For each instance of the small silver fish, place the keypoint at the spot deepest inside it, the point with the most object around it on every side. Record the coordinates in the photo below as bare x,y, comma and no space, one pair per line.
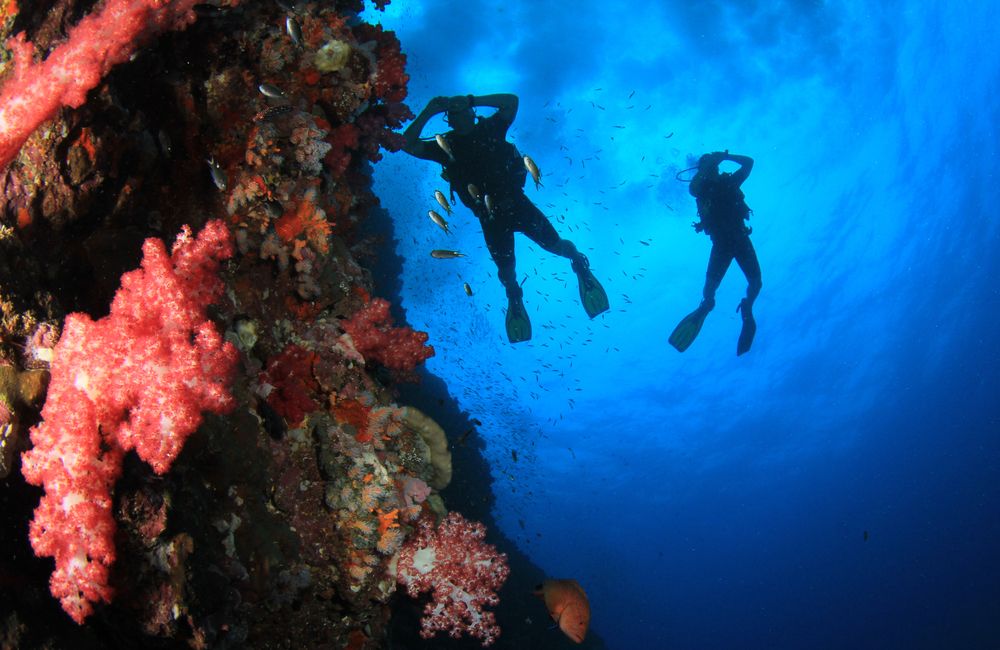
445,147
473,191
218,175
532,168
442,201
439,220
442,254
294,31
270,90
488,200
468,289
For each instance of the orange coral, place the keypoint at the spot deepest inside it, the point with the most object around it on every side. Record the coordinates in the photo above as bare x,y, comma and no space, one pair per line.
387,520
306,220
361,526
353,412
390,541
370,495
389,534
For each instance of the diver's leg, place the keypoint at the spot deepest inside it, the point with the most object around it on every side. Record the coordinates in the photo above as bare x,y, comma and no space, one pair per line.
687,330
500,242
537,227
746,257
718,263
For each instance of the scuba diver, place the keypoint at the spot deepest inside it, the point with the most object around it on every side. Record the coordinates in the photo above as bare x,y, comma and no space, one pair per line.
488,174
722,211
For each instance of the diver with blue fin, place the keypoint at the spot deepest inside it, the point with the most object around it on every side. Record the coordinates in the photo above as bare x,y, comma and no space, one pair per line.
488,174
722,210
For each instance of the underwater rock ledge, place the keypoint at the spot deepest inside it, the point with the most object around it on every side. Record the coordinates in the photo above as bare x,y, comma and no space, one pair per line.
278,522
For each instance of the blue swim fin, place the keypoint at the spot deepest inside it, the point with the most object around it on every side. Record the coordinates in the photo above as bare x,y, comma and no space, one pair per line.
749,328
592,294
518,325
687,330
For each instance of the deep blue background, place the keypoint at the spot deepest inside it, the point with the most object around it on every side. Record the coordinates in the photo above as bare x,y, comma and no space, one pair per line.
705,500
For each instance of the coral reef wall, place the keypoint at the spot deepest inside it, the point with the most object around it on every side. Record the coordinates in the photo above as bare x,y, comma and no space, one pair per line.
278,523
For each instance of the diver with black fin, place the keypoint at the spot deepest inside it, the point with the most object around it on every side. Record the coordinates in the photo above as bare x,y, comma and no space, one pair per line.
488,174
722,210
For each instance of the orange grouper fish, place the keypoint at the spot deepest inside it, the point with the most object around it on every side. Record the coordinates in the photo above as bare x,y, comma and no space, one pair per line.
568,605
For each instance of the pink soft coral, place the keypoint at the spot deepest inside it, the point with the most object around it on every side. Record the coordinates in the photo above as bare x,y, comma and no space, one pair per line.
463,572
136,379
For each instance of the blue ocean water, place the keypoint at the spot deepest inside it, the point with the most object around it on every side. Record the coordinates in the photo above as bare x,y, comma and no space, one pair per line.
837,486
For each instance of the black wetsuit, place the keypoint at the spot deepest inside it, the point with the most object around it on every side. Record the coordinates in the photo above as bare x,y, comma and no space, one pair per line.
484,158
723,211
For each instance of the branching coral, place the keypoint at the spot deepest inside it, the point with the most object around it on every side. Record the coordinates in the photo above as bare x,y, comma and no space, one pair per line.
136,379
462,572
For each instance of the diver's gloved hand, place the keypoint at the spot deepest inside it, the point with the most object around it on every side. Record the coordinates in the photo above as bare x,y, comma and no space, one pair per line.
719,156
698,226
437,105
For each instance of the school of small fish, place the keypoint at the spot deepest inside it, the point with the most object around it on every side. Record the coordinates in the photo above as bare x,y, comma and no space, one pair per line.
565,599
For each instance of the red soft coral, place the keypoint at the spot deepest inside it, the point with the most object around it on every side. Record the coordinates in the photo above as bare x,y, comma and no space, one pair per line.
292,384
373,335
463,572
390,77
343,140
137,379
377,133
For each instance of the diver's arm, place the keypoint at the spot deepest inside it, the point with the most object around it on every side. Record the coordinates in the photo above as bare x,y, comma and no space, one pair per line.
414,145
745,163
505,103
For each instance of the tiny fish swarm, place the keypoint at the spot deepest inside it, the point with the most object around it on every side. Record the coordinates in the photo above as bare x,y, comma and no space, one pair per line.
137,379
463,573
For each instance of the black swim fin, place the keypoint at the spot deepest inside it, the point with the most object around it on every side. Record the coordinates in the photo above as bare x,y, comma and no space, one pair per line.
687,330
592,294
518,325
749,328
